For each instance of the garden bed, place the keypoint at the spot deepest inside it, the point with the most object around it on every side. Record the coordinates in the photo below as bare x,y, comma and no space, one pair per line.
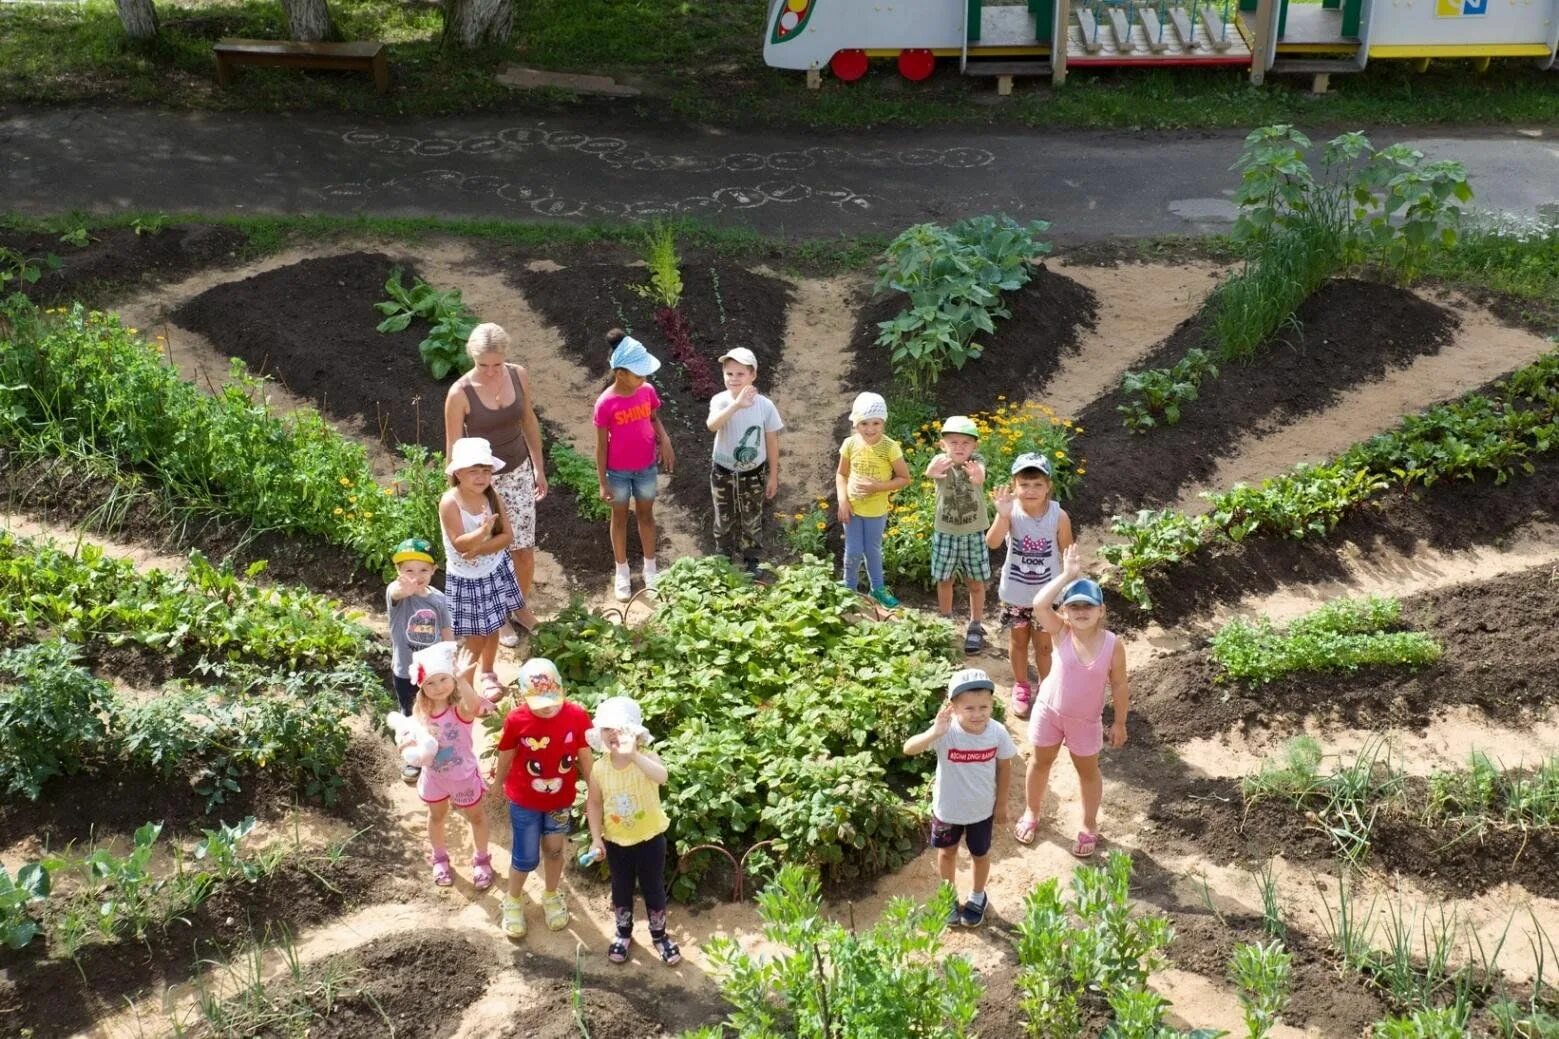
1499,656
311,327
119,258
726,306
1049,314
1350,333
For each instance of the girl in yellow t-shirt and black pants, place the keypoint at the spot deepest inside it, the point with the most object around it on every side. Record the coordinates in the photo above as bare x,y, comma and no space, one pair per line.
627,823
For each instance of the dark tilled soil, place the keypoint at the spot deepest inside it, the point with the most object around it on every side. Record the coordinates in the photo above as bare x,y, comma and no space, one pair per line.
725,305
1352,332
57,997
118,260
1500,655
1446,516
415,984
310,326
1048,316
639,1009
51,492
1449,858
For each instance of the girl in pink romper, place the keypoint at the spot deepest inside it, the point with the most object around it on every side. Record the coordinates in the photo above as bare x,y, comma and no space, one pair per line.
1085,658
447,707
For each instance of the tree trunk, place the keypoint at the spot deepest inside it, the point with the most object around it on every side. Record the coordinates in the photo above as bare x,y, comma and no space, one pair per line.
309,20
477,23
139,18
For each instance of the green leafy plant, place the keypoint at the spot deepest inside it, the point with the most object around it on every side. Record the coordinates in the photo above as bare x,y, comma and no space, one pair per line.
31,885
52,717
1154,540
660,256
76,236
954,277
1346,634
1160,392
18,270
827,981
1344,804
576,472
150,224
806,530
1442,1023
1262,973
450,320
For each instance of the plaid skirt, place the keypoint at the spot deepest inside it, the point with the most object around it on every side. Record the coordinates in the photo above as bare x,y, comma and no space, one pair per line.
481,605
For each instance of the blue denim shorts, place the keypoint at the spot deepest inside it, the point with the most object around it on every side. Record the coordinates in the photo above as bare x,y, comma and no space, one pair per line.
635,484
530,826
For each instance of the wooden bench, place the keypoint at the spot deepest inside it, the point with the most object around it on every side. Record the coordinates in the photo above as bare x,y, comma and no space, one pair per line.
359,56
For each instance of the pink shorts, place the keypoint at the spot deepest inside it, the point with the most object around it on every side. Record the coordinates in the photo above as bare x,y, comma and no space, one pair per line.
466,789
1082,736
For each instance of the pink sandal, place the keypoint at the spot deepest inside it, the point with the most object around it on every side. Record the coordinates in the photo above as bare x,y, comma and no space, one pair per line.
443,876
1022,699
491,686
1086,843
481,872
1025,831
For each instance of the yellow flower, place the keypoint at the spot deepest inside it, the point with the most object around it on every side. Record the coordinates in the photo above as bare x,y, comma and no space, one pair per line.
338,510
1060,456
345,482
822,526
1081,471
1079,429
352,499
368,515
131,331
351,515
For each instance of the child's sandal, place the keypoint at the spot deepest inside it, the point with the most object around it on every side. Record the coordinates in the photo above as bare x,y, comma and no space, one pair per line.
481,872
492,688
670,955
1086,844
617,952
443,876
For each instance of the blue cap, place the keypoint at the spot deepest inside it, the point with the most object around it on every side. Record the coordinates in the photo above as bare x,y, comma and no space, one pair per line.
1083,591
1032,460
630,354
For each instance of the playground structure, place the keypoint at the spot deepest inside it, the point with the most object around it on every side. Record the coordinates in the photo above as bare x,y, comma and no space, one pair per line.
1266,36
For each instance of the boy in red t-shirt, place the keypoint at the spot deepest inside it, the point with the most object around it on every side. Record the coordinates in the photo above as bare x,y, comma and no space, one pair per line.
629,441
541,756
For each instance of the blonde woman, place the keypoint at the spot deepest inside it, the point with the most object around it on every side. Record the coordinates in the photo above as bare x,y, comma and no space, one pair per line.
493,401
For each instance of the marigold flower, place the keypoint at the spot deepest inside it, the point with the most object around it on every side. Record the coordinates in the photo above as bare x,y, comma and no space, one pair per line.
338,510
345,482
822,526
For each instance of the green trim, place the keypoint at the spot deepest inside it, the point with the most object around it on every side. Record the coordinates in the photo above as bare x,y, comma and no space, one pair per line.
806,16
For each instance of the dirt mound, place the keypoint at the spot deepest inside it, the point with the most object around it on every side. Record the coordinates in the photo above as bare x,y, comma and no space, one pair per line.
410,985
725,306
322,346
638,1009
119,259
1350,332
1048,315
1499,656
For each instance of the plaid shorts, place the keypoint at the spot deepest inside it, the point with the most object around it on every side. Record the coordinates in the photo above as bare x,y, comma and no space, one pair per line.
954,555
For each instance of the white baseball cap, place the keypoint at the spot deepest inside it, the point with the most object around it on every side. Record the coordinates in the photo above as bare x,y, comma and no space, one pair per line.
741,355
969,680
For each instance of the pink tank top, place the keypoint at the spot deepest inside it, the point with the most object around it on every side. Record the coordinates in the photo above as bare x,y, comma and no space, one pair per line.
1074,689
455,756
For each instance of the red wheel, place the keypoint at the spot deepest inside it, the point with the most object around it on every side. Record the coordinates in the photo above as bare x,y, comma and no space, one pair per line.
916,65
848,66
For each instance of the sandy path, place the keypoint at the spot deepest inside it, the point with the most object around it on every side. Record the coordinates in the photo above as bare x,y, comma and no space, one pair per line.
1483,349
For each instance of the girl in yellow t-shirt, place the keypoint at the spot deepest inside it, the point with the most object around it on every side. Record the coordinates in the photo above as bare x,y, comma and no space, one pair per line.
627,824
871,467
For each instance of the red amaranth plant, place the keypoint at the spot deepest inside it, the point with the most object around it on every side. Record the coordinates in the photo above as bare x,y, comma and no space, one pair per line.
679,334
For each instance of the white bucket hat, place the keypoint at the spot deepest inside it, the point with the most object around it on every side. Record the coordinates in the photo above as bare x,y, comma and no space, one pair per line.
617,712
868,406
469,451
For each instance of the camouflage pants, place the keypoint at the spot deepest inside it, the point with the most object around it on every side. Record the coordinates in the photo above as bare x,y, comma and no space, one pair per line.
739,510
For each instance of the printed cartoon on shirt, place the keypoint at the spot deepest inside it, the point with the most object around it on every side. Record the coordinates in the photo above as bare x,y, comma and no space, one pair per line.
623,808
546,771
449,757
960,498
422,627
1033,560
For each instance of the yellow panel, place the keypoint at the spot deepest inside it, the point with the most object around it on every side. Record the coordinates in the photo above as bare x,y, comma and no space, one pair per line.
1448,9
1461,50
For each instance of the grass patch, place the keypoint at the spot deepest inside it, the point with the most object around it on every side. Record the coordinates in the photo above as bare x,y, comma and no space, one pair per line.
707,61
1341,636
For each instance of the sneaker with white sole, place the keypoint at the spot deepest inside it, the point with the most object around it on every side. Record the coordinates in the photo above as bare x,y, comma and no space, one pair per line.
651,573
622,586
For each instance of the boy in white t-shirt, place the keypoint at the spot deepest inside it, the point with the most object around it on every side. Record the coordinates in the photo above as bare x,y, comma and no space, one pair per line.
745,470
973,772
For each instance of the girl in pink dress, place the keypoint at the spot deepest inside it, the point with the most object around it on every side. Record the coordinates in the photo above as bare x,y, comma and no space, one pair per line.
1085,658
447,707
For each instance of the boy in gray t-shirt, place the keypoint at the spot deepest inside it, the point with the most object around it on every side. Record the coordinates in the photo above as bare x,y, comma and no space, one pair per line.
973,772
419,617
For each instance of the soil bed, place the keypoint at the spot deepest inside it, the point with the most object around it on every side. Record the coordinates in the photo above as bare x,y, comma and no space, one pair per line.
637,1010
62,997
1446,516
1351,333
310,326
416,983
115,260
1509,620
726,306
1451,858
1048,316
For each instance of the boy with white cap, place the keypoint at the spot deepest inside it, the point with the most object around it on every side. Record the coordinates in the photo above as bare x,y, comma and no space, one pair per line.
871,467
973,772
541,755
629,441
745,470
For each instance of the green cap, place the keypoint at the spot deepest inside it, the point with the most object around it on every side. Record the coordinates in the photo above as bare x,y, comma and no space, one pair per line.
413,549
961,424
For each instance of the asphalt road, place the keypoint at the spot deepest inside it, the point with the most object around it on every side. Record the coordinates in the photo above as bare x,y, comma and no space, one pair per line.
1091,185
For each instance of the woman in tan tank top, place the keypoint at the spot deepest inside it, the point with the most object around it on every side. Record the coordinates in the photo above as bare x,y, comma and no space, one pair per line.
493,400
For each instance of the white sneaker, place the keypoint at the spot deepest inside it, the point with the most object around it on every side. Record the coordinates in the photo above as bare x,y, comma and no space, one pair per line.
651,573
622,586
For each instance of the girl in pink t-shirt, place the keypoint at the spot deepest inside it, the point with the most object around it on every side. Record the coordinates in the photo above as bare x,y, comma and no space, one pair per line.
1085,659
629,441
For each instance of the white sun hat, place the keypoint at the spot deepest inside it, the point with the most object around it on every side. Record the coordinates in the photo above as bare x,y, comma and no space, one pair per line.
868,406
469,451
617,712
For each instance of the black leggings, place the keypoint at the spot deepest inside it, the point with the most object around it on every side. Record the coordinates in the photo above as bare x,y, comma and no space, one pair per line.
645,864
